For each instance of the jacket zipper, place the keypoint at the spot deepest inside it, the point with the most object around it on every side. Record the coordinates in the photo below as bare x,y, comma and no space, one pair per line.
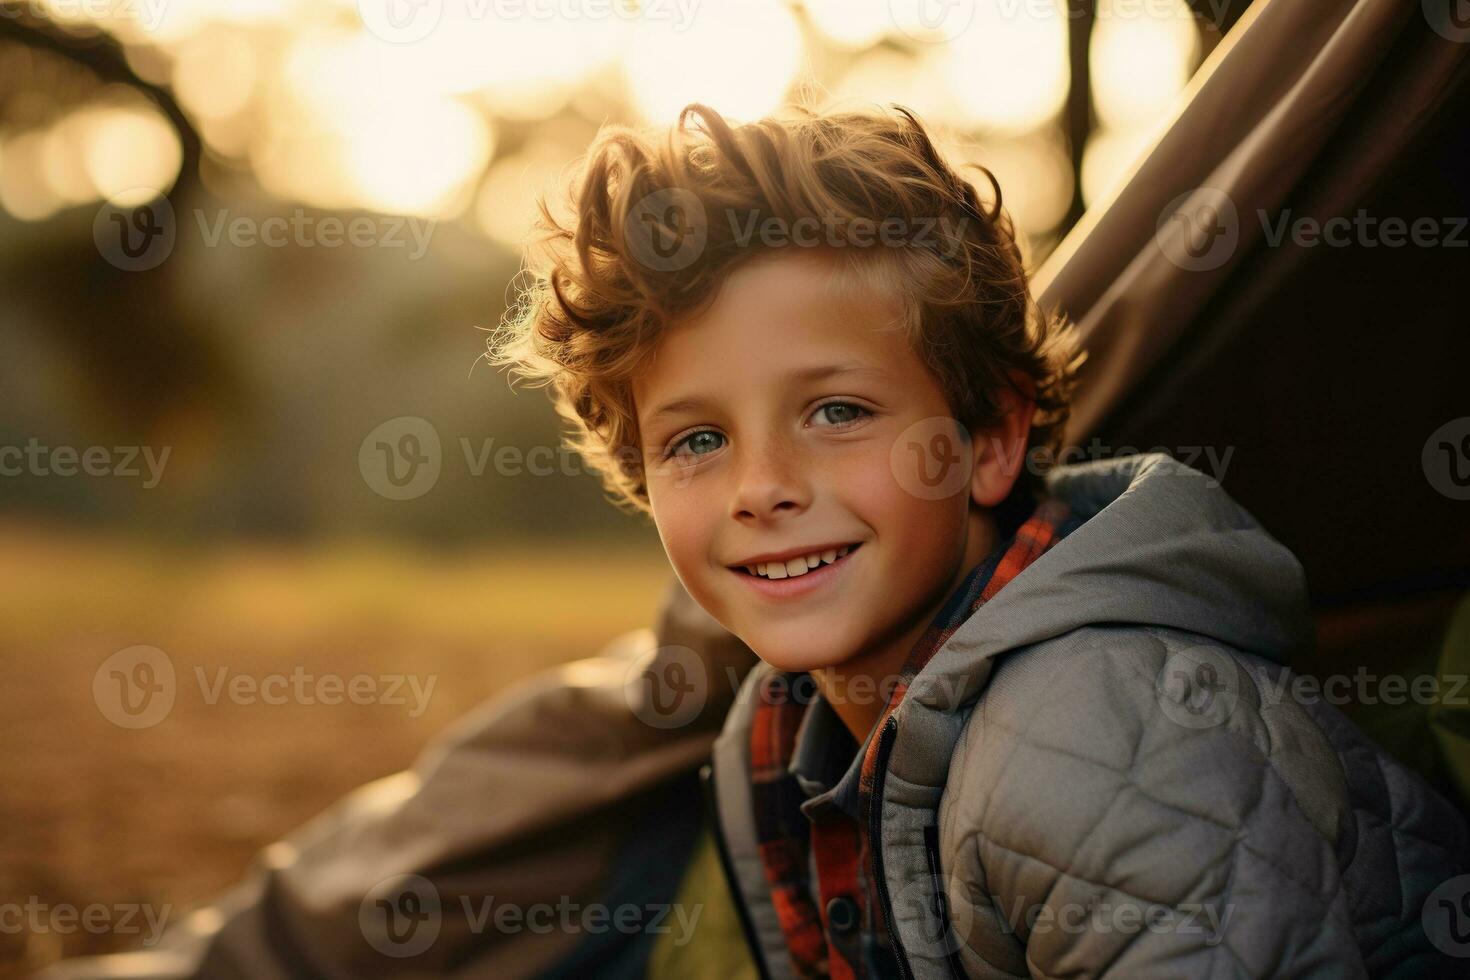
941,900
931,849
727,867
875,814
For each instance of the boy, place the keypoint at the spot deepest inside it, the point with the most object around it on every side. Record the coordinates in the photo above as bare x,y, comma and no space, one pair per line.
1005,723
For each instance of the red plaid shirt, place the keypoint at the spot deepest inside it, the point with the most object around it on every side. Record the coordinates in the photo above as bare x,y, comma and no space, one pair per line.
808,829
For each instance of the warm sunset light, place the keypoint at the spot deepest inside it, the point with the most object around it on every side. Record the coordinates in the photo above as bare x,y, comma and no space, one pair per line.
328,103
983,497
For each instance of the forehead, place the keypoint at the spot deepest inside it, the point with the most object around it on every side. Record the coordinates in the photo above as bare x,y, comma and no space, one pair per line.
786,311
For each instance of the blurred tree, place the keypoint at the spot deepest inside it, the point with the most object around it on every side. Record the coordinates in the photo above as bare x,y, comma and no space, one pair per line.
138,359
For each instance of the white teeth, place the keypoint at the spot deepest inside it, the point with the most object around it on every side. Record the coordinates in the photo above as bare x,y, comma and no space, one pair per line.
793,567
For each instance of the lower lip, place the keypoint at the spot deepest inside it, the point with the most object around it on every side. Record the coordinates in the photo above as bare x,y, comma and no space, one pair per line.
800,585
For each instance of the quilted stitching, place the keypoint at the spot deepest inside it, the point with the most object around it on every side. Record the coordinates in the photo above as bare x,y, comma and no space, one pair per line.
1000,736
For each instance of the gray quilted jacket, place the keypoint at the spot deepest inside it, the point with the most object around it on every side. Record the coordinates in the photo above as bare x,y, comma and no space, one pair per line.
1122,781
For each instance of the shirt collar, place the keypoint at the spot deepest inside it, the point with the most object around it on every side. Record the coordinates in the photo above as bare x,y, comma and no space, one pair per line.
826,761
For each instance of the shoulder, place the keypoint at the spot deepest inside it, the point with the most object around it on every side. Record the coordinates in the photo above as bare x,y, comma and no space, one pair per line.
1149,717
1145,768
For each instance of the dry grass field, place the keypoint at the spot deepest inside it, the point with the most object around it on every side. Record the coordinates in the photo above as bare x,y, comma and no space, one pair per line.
169,814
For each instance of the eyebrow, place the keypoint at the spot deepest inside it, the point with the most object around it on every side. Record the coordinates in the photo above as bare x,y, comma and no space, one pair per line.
806,375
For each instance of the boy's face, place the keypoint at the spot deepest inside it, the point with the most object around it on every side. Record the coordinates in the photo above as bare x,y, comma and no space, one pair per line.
799,398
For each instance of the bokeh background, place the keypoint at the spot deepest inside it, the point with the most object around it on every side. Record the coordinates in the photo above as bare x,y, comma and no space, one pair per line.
182,300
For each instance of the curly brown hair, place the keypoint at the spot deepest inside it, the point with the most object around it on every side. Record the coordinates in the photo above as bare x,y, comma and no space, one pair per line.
641,249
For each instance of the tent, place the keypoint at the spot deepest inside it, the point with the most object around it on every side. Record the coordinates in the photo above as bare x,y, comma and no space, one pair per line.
1326,376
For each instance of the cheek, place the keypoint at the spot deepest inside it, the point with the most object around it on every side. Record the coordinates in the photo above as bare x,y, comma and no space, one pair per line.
686,531
918,534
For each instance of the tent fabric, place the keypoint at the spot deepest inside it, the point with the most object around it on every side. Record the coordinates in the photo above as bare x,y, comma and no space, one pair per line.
1252,124
1318,372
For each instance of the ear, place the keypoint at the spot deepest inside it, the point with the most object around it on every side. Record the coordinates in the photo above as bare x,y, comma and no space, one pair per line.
1000,451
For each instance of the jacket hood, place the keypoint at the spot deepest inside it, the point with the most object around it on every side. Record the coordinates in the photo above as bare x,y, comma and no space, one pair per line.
1161,545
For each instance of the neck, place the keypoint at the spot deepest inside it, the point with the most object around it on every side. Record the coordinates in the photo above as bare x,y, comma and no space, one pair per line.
858,688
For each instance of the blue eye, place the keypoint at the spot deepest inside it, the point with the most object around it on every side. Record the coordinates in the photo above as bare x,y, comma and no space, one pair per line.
700,443
845,413
837,415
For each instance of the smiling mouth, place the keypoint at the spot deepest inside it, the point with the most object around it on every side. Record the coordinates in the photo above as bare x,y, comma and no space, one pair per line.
796,567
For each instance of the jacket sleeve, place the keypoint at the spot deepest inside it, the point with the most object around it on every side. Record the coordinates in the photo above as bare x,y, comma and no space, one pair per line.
539,800
1142,803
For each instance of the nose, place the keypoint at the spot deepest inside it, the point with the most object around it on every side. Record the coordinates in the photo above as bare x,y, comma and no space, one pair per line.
770,483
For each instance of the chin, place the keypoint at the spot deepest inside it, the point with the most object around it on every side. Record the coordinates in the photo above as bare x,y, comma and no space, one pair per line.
796,656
